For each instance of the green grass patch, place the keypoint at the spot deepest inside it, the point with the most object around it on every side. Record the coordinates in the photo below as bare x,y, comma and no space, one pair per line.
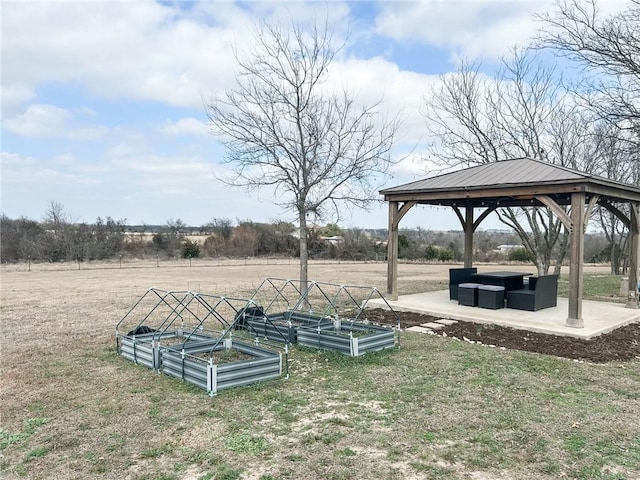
159,451
37,452
246,444
30,426
595,287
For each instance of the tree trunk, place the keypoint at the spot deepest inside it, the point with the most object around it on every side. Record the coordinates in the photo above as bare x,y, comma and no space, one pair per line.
563,247
304,252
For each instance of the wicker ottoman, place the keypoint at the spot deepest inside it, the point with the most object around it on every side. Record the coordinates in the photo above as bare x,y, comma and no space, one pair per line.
468,294
491,296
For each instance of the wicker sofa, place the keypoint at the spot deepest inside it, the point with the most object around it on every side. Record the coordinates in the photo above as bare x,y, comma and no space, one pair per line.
542,292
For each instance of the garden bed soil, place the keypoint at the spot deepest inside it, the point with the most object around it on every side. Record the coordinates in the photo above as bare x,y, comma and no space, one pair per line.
224,356
172,341
622,344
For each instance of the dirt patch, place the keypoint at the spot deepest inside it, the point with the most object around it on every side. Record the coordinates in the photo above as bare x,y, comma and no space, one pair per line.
622,344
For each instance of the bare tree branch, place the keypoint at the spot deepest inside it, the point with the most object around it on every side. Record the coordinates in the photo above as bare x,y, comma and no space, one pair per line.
606,47
516,114
283,127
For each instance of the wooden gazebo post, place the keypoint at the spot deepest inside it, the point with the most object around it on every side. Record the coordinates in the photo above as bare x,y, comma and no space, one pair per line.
395,215
392,253
468,237
634,254
469,226
574,318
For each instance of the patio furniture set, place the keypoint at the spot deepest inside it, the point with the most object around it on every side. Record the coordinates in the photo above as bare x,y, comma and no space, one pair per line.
492,289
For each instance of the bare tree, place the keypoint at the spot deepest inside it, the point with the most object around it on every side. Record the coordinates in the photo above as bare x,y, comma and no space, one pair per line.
522,112
55,218
218,243
283,127
480,120
60,238
615,160
607,46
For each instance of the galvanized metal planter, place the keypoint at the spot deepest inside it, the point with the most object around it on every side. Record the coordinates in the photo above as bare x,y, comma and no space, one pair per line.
320,315
141,349
184,363
171,332
145,349
354,339
283,327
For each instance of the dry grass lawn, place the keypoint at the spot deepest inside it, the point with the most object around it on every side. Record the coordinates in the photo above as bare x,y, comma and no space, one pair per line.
71,408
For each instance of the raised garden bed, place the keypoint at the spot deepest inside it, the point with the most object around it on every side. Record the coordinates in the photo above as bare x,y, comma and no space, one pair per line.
283,327
320,315
215,365
145,349
354,339
175,333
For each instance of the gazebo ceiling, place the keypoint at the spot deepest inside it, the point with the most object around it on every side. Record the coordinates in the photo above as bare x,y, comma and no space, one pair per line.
510,183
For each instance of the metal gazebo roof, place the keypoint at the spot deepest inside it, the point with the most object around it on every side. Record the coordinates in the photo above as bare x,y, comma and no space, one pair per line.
521,182
510,182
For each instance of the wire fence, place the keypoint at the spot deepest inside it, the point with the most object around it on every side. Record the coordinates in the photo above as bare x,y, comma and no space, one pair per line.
209,262
157,262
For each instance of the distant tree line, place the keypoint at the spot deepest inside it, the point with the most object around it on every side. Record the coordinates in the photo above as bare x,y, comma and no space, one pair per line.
59,239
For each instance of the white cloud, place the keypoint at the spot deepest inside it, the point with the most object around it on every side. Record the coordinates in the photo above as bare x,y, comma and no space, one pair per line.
8,159
400,92
140,49
411,167
38,121
50,121
166,174
471,28
186,126
183,167
14,97
41,174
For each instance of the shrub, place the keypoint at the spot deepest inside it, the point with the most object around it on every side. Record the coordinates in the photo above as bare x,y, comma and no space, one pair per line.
190,249
520,255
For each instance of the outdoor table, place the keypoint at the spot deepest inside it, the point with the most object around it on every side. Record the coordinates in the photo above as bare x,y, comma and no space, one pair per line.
508,280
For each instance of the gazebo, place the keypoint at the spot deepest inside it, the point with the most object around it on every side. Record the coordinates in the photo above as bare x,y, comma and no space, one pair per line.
522,182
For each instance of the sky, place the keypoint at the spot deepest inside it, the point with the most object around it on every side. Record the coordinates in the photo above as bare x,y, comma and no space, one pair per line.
102,102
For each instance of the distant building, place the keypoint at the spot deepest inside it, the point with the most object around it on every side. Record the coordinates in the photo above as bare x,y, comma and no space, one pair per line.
507,248
333,240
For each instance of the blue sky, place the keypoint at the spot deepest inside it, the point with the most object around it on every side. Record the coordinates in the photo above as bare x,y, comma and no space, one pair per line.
102,101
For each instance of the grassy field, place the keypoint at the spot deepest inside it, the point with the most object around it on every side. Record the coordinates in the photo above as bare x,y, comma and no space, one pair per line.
71,408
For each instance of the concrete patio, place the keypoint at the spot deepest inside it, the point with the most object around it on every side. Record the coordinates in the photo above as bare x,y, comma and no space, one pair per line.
599,317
